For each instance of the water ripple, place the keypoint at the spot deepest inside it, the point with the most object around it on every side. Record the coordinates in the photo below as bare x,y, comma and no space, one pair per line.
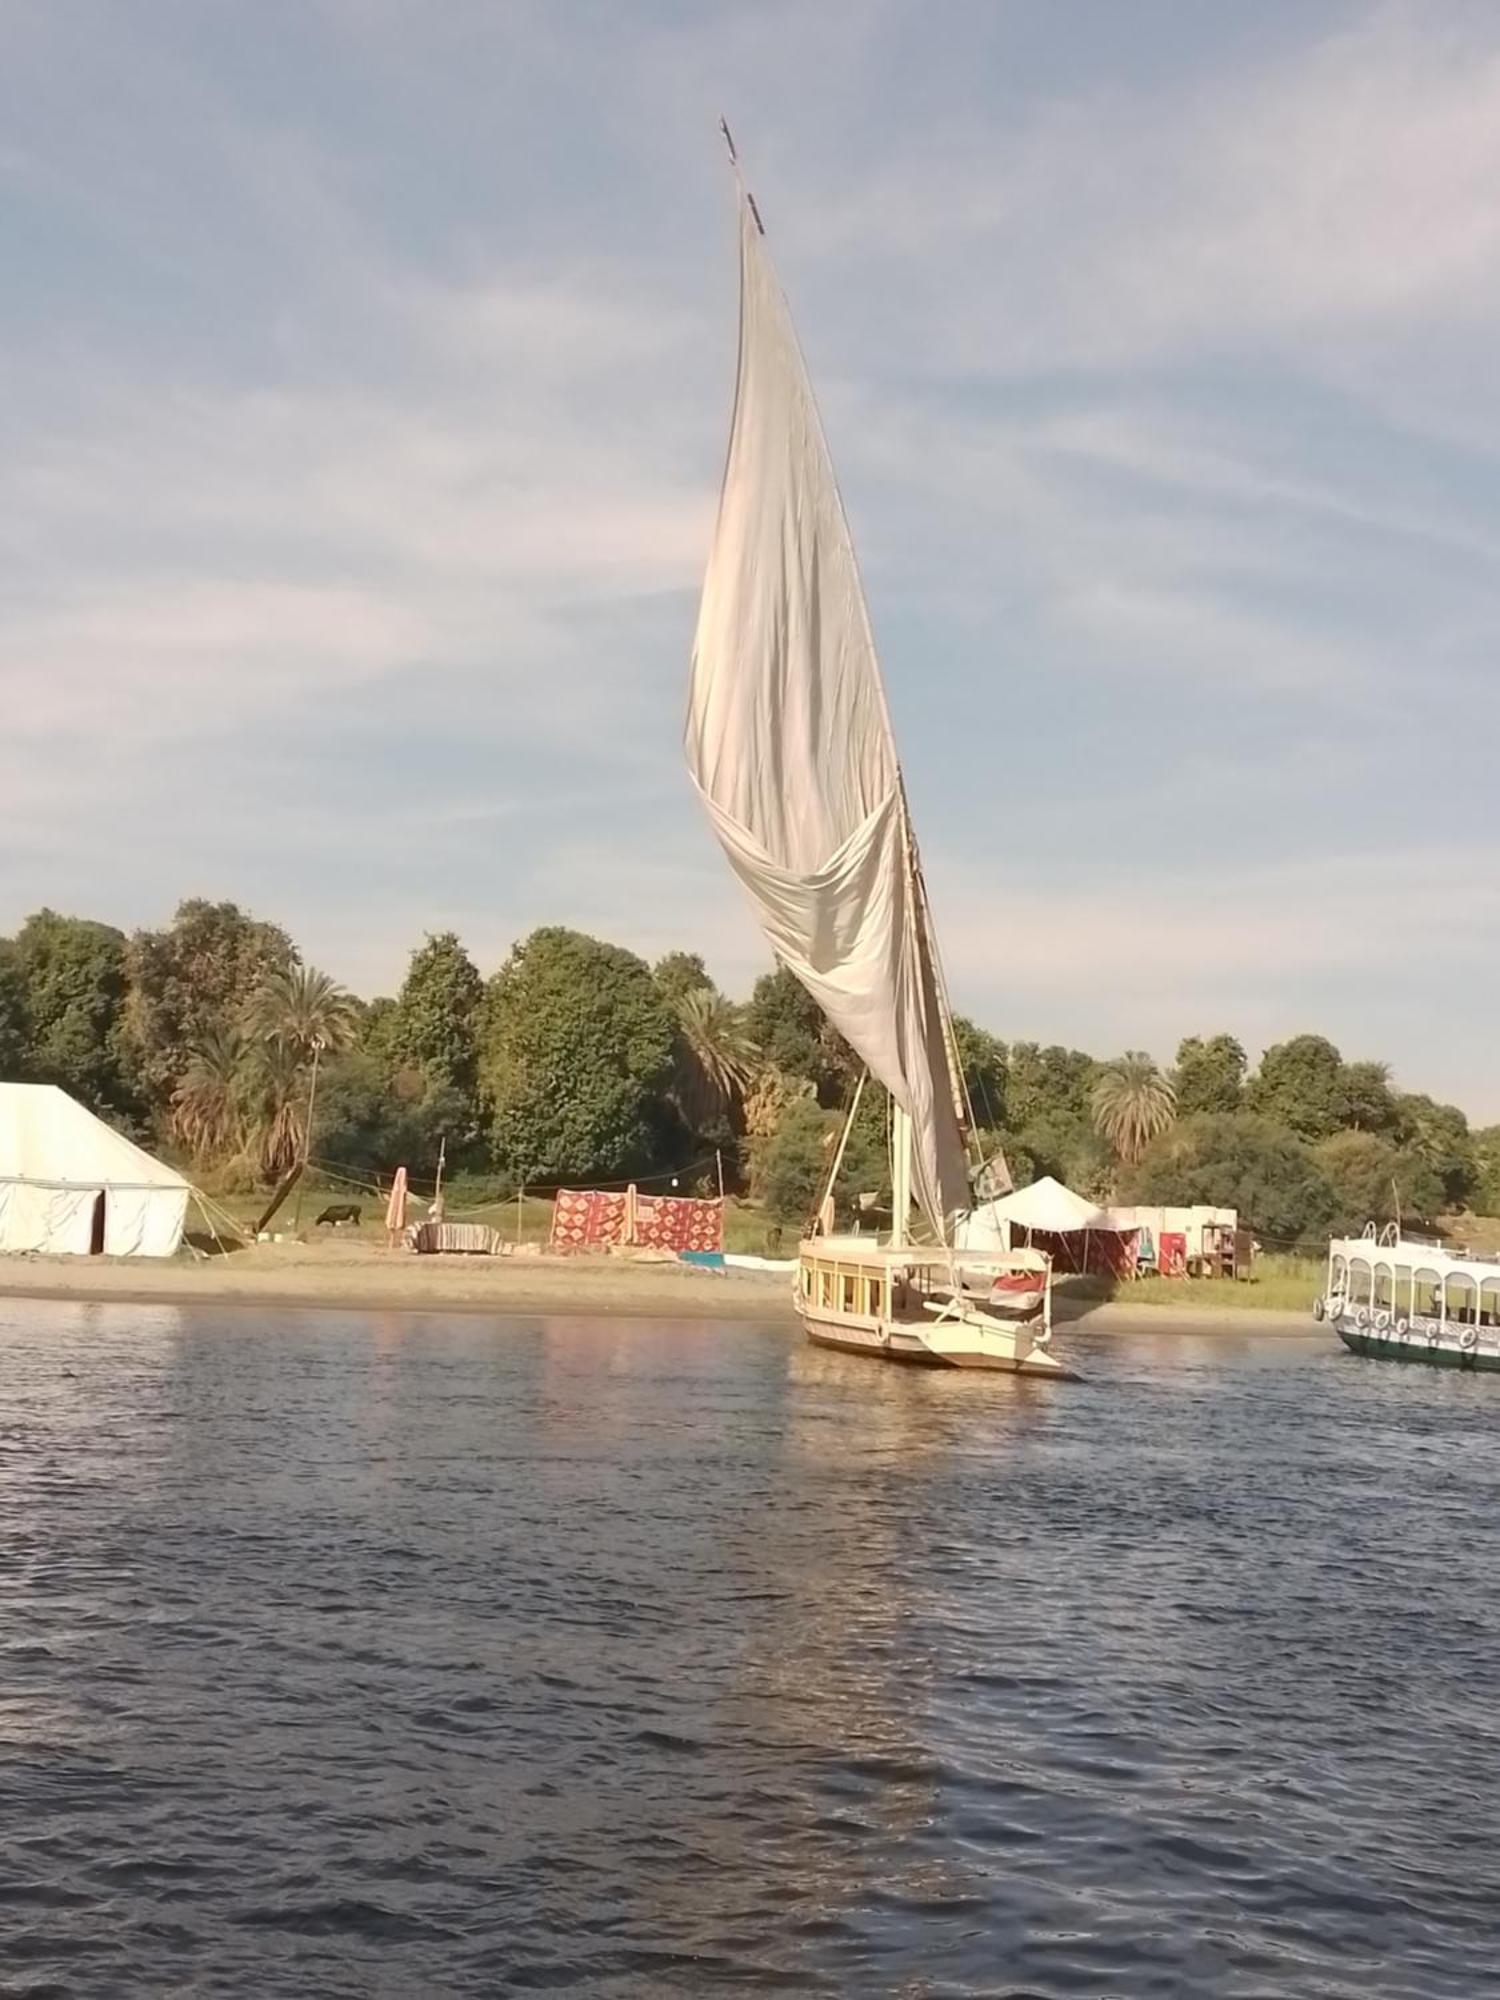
372,1655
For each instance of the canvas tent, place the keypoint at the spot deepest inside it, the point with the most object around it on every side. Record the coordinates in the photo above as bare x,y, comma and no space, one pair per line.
1076,1234
68,1183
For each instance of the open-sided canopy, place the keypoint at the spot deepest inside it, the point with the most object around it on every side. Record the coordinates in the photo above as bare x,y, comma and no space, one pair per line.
1046,1205
58,1163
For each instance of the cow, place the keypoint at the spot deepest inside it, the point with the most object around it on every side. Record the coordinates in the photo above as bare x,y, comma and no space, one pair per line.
337,1212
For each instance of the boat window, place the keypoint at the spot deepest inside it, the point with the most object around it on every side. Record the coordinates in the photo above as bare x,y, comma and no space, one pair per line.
825,1288
1489,1302
877,1297
1338,1276
1425,1288
849,1292
1383,1285
1462,1297
807,1281
1402,1301
1360,1281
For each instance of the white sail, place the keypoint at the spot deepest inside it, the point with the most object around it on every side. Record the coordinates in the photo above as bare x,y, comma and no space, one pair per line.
789,740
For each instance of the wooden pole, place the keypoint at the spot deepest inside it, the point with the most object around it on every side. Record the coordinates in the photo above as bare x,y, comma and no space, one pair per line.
437,1192
719,1163
520,1212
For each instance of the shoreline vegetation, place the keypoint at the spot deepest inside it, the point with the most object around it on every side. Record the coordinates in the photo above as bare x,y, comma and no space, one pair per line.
577,1064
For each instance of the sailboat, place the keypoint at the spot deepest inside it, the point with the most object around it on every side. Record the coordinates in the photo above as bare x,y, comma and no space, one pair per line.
790,746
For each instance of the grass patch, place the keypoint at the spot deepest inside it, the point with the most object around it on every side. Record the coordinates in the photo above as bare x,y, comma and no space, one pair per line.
1280,1284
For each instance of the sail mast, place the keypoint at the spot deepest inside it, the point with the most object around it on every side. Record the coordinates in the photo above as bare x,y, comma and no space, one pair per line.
789,740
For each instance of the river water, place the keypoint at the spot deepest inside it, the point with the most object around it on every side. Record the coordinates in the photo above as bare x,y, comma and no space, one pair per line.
389,1655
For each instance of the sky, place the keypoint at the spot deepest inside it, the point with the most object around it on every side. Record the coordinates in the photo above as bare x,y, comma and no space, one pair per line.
364,383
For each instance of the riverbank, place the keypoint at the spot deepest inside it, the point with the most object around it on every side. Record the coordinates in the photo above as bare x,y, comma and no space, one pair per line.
365,1277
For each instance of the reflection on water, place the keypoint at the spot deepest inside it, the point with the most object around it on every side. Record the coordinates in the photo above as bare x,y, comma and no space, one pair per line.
360,1654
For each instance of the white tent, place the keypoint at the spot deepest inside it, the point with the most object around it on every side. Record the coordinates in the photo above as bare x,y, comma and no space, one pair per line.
70,1183
1046,1205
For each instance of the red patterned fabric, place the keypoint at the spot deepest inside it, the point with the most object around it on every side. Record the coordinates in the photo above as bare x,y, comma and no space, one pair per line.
591,1219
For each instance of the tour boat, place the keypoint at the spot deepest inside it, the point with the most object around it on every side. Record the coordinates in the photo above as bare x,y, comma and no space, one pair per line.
1408,1301
790,746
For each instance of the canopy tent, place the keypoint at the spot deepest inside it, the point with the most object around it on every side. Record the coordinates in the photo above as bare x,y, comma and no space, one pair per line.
69,1183
1078,1235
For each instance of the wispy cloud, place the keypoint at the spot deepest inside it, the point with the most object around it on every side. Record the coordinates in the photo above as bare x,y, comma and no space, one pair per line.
366,380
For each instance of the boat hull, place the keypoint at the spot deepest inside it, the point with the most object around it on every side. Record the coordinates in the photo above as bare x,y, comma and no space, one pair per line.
1422,1341
945,1344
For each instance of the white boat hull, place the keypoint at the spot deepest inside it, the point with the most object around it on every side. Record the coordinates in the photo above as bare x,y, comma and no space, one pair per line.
947,1343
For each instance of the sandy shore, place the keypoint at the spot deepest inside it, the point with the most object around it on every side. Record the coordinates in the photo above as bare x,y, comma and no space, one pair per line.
368,1277
364,1277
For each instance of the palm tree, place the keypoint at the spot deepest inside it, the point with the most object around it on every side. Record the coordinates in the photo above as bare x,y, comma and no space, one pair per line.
305,1010
716,1057
276,1088
208,1105
1133,1104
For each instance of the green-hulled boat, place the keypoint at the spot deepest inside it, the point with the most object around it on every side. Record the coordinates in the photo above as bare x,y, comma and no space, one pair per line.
1403,1300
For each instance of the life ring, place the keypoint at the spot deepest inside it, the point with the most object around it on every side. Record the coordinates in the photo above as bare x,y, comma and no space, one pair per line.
1361,1318
1403,1328
1318,1310
1382,1321
1468,1340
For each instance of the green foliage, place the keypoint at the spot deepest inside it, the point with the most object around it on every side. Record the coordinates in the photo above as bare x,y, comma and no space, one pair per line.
13,1026
983,1064
791,1164
1439,1136
1375,1182
1133,1103
1366,1101
1210,1074
1300,1084
680,972
434,1026
369,1122
785,1024
1240,1161
713,1061
303,1010
73,979
1048,1084
1485,1193
196,980
577,1051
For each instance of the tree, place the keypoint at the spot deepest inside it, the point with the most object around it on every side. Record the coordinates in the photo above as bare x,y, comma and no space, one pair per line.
209,1104
1366,1100
1048,1083
680,972
1237,1160
714,1060
982,1064
577,1051
787,1026
304,1010
1210,1074
370,1121
1439,1135
72,974
194,981
1486,1194
792,1162
275,1106
1133,1104
435,1026
1375,1182
1300,1084
13,1025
